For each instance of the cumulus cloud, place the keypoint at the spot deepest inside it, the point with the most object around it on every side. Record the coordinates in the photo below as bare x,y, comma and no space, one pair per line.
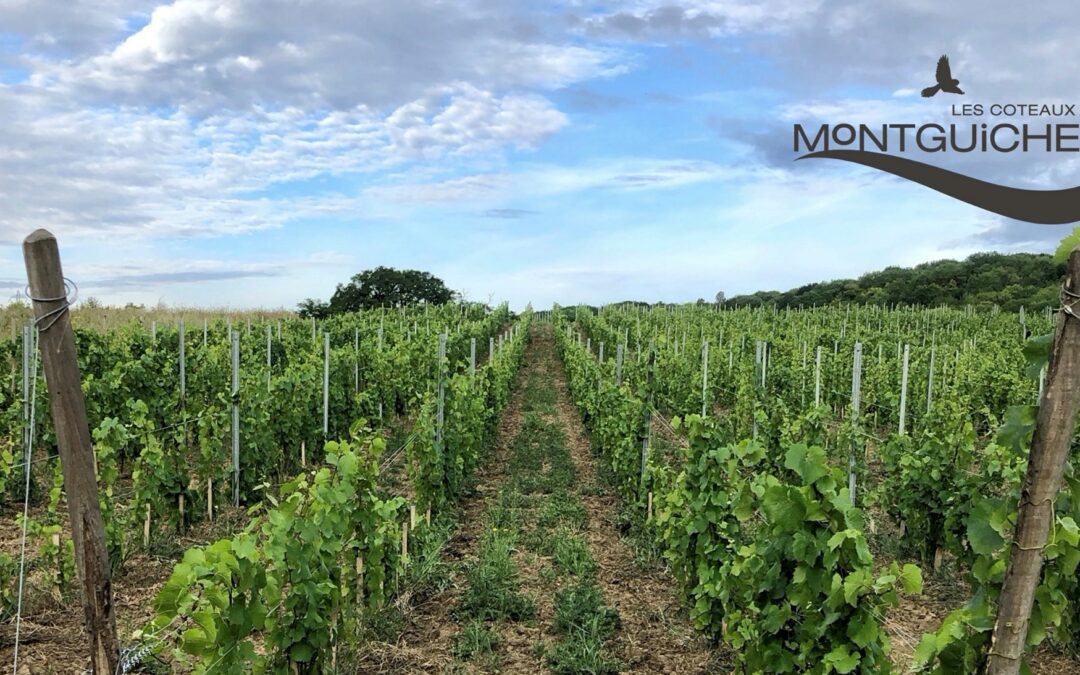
180,119
70,29
230,54
665,19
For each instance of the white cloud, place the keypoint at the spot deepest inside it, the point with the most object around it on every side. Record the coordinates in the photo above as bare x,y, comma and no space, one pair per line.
539,181
185,125
229,54
70,28
666,19
95,170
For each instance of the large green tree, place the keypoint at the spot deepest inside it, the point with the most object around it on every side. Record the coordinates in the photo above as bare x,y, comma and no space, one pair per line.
381,287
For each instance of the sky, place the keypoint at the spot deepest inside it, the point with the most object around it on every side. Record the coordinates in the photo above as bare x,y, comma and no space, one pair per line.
253,153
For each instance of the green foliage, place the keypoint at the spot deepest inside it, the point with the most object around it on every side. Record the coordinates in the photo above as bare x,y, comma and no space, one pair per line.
983,279
757,550
9,580
952,479
926,477
389,287
285,581
1071,240
962,642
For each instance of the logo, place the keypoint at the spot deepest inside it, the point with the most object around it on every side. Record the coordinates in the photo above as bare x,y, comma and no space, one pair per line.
883,147
945,80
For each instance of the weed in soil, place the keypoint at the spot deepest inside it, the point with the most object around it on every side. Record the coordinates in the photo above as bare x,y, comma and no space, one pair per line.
494,587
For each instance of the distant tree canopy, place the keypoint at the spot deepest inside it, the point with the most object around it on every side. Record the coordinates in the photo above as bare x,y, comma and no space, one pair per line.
984,279
380,287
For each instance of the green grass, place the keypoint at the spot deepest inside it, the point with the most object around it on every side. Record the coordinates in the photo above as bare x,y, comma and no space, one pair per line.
474,640
428,574
539,509
540,461
572,556
585,623
581,655
580,606
506,513
494,587
562,508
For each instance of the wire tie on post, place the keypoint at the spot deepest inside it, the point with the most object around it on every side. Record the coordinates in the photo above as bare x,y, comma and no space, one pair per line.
71,294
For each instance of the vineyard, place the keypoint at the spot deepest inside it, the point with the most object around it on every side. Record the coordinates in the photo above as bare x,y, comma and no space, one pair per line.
812,450
753,490
282,430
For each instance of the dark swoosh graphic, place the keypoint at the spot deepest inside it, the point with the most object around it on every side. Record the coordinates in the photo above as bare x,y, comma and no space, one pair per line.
1046,207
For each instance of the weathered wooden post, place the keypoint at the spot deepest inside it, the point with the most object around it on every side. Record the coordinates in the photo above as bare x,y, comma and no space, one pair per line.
62,376
1050,445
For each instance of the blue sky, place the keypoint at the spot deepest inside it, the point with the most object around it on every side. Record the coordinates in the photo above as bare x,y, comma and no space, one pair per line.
253,153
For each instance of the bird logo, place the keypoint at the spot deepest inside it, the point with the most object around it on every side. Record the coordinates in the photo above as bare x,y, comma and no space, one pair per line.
945,80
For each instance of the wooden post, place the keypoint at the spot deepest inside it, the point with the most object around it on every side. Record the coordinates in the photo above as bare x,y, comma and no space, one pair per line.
1046,463
63,379
146,527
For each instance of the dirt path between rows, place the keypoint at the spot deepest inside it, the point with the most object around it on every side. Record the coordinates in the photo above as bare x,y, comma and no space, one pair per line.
654,635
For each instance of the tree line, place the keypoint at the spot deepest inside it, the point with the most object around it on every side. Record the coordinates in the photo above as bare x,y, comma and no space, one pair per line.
1009,281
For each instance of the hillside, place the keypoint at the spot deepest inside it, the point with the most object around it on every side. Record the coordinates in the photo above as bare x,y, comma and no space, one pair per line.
984,279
